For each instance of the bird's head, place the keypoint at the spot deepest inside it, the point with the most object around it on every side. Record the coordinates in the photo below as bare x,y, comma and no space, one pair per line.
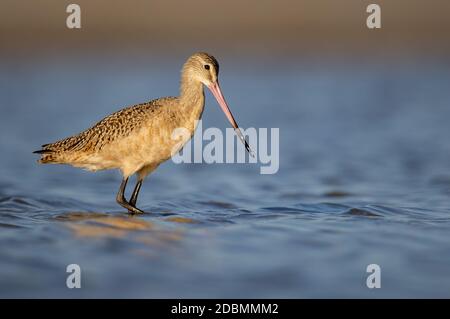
204,68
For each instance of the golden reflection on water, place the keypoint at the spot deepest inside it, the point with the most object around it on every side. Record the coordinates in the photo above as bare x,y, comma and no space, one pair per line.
85,230
149,233
183,220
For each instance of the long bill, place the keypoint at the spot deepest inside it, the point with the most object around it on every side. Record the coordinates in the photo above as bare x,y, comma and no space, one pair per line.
215,89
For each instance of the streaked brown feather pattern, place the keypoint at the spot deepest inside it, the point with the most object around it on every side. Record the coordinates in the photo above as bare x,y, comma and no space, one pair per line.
138,138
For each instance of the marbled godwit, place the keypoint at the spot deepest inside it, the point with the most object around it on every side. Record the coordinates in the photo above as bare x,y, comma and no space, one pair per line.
138,138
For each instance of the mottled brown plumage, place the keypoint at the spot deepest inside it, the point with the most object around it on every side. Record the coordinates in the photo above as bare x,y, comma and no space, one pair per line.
116,126
138,138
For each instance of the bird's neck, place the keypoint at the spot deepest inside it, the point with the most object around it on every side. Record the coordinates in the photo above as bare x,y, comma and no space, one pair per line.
192,97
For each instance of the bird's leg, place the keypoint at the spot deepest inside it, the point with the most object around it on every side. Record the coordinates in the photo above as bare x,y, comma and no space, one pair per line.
123,202
135,194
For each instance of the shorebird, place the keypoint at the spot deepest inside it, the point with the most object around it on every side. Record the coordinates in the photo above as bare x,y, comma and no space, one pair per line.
138,138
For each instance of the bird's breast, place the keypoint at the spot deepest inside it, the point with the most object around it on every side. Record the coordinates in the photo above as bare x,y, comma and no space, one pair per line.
166,135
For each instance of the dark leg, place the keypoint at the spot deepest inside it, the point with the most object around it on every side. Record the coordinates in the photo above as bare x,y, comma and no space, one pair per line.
135,194
123,202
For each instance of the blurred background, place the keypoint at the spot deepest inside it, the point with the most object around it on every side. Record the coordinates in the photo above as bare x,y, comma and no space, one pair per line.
364,153
248,29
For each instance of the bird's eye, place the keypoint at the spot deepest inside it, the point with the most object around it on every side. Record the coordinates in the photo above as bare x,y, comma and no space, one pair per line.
206,66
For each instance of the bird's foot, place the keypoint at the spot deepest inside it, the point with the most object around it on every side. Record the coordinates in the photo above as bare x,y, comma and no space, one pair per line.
133,210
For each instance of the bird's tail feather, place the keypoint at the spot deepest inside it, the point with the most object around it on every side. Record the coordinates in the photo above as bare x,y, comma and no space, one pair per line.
47,156
42,152
50,153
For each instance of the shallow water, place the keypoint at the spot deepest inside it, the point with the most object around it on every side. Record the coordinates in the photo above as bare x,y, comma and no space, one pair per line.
364,179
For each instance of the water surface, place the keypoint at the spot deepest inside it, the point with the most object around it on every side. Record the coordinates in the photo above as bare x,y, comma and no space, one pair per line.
364,178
